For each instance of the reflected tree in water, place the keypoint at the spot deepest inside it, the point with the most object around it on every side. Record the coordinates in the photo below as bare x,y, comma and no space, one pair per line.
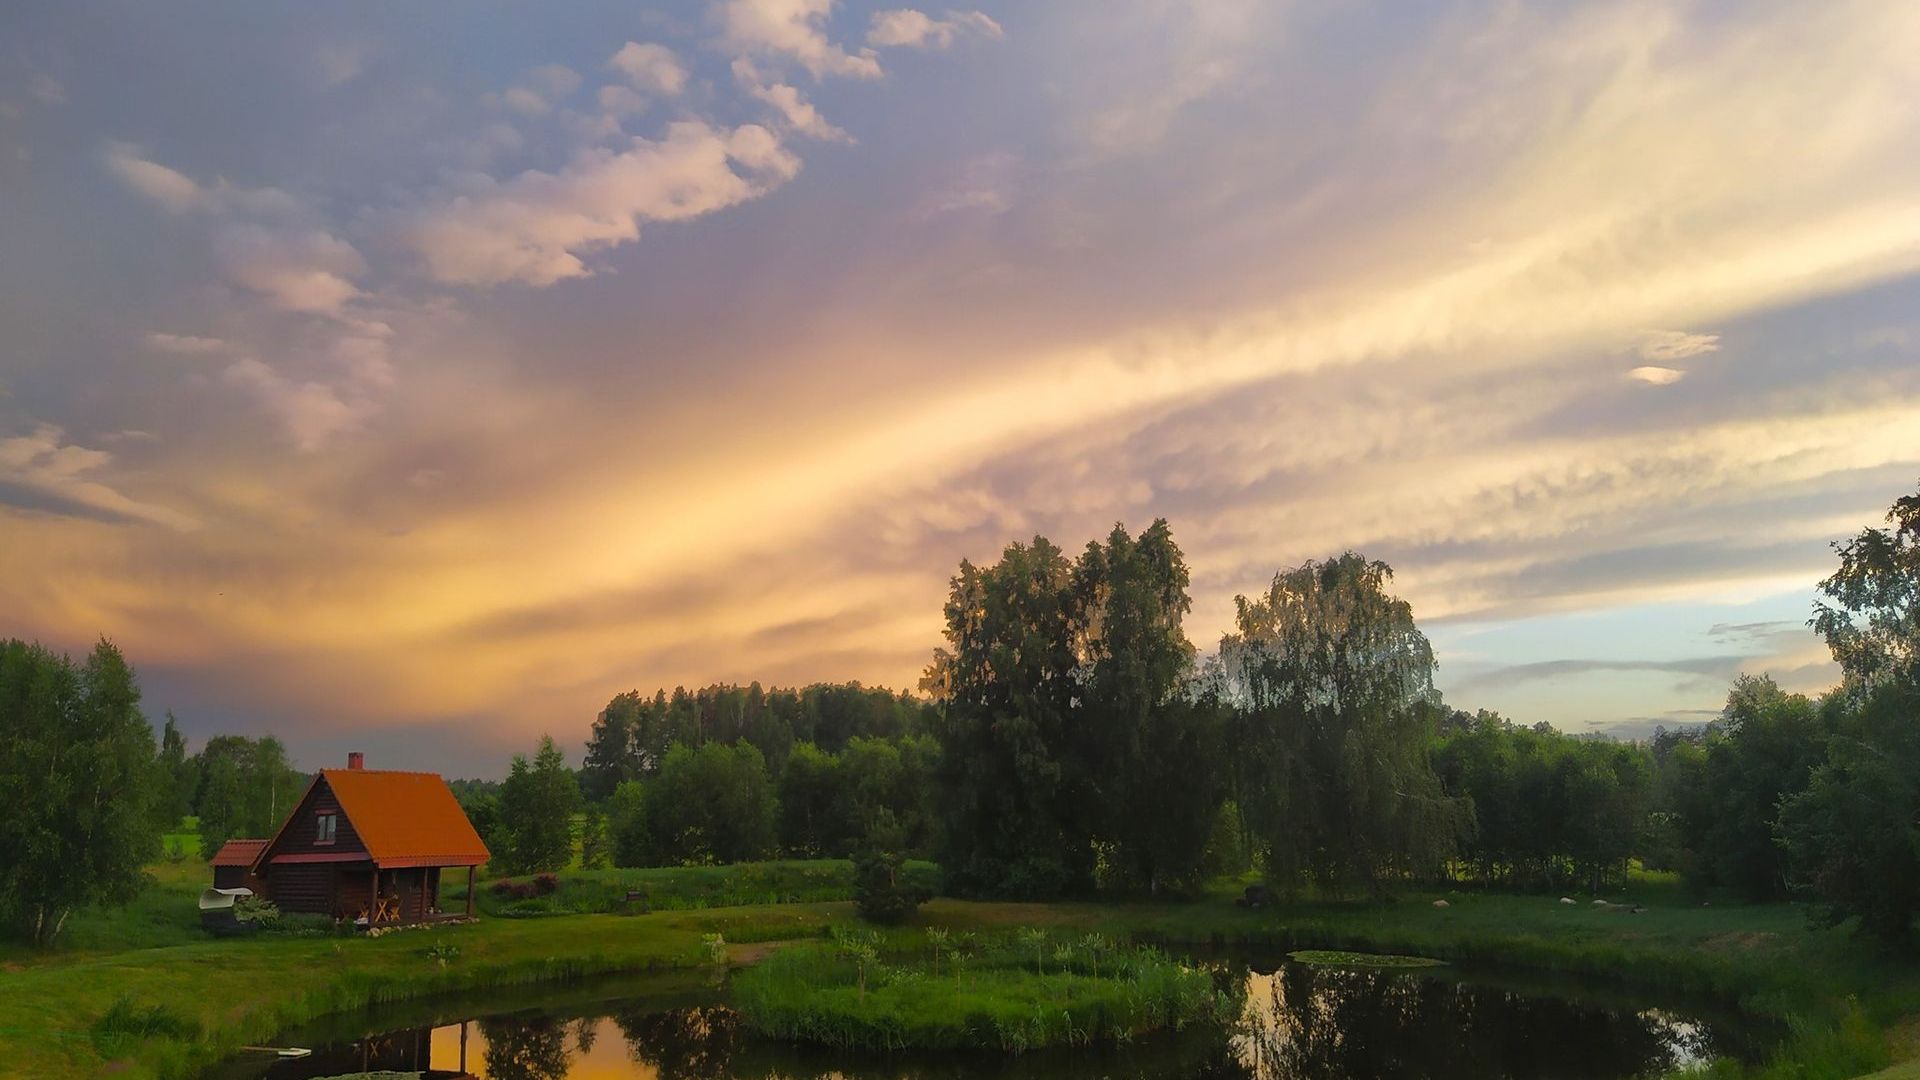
526,1048
586,1032
682,1044
1323,1024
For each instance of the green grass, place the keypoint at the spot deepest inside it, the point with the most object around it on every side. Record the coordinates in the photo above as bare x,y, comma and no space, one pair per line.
680,888
1005,994
242,991
1840,996
1342,958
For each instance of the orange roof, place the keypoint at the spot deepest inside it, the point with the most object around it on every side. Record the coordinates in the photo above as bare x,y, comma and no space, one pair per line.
406,818
237,853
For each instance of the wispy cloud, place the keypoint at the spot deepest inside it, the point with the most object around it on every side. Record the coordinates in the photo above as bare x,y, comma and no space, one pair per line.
906,27
68,476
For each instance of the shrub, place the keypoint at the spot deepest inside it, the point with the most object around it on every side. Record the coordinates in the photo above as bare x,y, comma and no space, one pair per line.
545,884
264,914
124,1023
881,890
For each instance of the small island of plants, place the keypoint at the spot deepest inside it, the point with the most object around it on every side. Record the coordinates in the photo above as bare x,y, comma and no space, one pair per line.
1005,993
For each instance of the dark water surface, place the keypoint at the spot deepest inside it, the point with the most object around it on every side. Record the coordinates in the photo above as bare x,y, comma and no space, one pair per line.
1303,1024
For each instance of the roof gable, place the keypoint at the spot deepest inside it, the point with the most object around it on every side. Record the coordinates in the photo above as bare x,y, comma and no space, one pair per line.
406,818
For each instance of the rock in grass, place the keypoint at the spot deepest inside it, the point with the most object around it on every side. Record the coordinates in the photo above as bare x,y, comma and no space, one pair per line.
1338,958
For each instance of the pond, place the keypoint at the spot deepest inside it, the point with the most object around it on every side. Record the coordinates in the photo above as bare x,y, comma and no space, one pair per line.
1304,1023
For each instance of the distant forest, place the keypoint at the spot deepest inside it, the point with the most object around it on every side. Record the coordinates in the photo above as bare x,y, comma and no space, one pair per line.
1068,740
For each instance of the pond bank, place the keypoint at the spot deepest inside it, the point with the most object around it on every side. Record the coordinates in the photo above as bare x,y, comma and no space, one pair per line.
1838,995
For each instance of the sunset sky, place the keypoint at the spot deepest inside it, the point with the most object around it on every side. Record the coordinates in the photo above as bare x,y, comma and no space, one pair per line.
415,377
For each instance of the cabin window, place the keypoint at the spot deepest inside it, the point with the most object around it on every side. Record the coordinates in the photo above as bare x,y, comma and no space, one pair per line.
324,827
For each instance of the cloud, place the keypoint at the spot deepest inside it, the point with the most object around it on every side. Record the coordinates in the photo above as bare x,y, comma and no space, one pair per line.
1666,346
536,227
184,344
46,89
1656,376
650,68
44,463
297,270
792,30
180,193
1717,668
311,412
789,102
621,101
983,184
336,64
905,27
545,87
168,187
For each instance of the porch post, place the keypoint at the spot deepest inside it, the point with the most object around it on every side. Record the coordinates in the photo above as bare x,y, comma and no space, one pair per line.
469,901
423,894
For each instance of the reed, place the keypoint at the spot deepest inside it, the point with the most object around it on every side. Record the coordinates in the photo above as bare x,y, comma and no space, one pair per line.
1005,993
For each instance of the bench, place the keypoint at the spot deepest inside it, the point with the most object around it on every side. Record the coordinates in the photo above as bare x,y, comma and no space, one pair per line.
638,896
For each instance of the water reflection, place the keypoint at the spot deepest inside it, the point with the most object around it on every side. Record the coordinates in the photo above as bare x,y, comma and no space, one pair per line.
1331,1024
1303,1024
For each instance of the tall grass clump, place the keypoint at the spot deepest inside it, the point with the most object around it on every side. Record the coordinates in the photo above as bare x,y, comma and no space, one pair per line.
125,1025
1008,994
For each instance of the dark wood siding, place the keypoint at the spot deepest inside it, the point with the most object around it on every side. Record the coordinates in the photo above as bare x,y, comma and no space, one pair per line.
236,877
301,834
304,887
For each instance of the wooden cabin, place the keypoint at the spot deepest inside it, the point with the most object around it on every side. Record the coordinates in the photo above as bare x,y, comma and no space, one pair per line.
233,865
367,845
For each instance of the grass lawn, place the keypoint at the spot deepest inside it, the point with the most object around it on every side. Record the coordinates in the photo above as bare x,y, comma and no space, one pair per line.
678,888
1848,1004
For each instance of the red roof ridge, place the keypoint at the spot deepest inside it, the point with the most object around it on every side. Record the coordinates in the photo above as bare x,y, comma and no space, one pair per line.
382,772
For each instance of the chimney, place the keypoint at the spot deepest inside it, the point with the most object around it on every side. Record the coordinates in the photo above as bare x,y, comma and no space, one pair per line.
356,760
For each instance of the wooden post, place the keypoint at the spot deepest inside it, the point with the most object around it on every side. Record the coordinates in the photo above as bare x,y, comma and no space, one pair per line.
469,915
463,1038
423,894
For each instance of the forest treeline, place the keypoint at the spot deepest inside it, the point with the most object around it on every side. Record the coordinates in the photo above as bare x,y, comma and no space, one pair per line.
1067,739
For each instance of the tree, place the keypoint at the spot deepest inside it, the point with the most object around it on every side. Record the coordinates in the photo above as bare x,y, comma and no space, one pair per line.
537,804
1873,622
1151,746
246,788
880,890
175,777
1333,682
1853,836
712,805
1764,748
1016,814
813,819
595,844
627,825
76,764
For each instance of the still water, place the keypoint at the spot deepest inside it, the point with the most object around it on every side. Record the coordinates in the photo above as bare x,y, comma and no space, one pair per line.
1303,1024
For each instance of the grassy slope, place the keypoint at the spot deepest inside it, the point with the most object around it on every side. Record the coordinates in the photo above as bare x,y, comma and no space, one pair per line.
246,990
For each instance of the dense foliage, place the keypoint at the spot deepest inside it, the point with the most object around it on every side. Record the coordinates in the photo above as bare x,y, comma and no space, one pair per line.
77,772
632,735
1546,810
537,803
245,788
1333,688
1853,835
1074,747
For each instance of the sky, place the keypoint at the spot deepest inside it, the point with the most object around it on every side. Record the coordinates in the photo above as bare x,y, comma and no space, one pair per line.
414,378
